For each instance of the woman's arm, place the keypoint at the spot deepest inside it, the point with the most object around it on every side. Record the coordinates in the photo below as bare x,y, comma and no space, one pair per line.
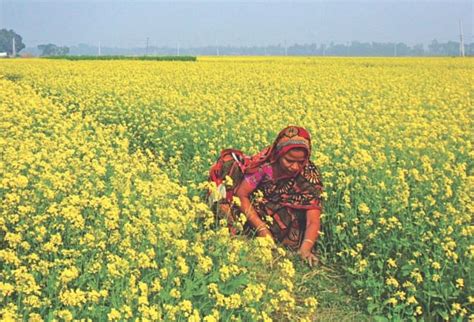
311,235
243,193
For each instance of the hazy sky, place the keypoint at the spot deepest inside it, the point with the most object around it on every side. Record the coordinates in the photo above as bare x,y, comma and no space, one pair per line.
196,23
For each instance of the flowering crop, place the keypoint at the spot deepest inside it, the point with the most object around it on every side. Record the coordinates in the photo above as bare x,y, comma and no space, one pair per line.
102,163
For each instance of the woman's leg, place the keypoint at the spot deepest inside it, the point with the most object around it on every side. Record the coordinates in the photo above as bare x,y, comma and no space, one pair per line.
295,230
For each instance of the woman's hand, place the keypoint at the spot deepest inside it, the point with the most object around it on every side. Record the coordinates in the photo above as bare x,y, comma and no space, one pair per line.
308,256
264,232
243,192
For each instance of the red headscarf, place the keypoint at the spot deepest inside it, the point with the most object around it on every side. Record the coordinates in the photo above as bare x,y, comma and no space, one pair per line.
289,138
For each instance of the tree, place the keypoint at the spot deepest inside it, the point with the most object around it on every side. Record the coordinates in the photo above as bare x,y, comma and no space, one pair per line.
53,50
435,47
401,49
469,48
6,41
451,48
418,50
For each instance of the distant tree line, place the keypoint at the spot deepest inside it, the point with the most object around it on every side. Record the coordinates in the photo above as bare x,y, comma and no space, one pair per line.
354,48
8,38
53,50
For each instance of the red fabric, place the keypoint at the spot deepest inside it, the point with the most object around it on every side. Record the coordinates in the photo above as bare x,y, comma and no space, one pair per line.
284,200
272,153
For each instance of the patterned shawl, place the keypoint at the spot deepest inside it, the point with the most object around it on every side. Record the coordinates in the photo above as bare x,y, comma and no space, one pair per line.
302,191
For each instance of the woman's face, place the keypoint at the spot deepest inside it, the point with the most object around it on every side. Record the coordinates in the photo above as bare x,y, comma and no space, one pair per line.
292,161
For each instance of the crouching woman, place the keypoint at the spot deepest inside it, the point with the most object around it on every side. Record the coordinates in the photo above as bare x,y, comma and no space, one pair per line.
279,190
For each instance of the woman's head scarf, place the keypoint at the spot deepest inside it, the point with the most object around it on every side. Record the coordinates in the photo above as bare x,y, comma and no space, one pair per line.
289,138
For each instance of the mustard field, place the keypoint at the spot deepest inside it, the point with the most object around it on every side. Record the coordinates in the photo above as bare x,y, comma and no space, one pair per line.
104,165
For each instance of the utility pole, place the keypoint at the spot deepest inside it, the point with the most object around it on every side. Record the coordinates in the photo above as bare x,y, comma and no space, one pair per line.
395,49
13,47
99,49
217,48
286,49
461,36
146,51
177,48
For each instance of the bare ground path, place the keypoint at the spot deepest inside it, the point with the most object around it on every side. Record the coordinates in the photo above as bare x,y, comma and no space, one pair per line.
328,285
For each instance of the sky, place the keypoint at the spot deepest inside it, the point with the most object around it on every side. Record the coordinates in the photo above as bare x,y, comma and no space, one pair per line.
193,23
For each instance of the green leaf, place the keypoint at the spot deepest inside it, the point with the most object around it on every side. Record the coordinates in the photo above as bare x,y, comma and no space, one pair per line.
406,270
379,318
372,307
380,264
443,314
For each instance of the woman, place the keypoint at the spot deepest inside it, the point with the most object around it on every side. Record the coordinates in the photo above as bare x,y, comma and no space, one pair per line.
279,191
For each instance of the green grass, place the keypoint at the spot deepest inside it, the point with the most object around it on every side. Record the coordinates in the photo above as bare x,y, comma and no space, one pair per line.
330,287
120,57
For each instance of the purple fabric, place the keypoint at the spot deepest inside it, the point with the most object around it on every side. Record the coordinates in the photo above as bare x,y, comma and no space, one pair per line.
255,178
